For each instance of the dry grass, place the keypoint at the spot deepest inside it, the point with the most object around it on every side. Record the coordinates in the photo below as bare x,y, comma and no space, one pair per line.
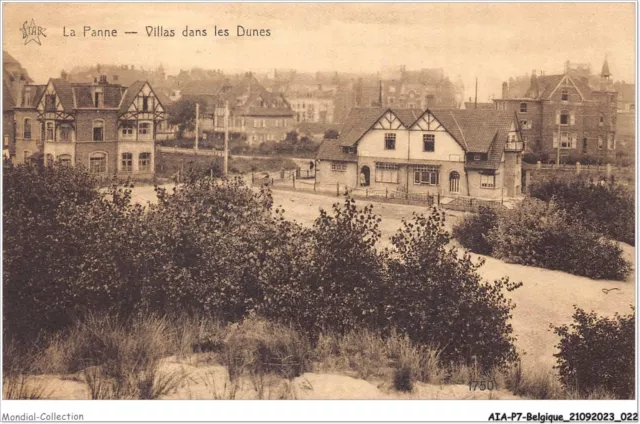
125,360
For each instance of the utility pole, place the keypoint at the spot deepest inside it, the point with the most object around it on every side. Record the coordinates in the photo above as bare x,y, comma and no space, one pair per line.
226,138
197,123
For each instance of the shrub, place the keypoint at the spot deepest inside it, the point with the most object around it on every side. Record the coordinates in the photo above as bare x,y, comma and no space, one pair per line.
544,235
438,298
608,208
598,353
472,231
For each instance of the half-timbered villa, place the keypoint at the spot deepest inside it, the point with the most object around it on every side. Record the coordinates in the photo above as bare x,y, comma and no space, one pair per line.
107,128
451,152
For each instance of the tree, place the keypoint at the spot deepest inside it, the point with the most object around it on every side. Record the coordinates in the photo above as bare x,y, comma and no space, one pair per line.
183,114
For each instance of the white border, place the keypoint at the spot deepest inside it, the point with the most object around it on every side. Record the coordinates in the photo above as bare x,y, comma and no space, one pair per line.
327,410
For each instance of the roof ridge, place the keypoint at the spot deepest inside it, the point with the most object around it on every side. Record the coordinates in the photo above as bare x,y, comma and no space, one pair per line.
459,128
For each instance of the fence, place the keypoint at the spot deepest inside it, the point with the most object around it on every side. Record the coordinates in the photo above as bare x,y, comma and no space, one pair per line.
287,180
183,151
470,204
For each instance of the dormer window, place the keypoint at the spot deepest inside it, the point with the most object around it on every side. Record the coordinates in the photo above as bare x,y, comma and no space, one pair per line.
98,98
27,96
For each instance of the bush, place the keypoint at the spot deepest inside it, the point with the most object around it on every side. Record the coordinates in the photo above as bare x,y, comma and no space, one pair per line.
472,231
438,298
542,234
608,209
598,353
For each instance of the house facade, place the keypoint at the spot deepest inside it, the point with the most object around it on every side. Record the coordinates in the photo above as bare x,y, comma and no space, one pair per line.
107,128
255,114
562,114
451,152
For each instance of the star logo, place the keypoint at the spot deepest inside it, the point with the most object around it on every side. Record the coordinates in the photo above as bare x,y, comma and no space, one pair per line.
32,32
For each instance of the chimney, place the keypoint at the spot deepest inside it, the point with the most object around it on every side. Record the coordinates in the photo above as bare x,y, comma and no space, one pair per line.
505,90
533,87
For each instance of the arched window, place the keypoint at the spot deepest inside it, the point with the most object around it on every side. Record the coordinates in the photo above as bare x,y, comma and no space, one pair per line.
454,182
98,163
27,128
98,130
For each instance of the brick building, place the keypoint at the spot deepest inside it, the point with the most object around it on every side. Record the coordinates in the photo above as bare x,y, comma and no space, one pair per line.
562,113
108,128
254,113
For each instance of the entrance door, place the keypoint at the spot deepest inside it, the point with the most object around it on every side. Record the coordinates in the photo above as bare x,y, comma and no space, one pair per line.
364,176
454,182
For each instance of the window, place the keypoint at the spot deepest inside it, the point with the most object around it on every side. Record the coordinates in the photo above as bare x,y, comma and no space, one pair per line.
348,149
27,128
338,167
145,103
523,107
585,146
127,162
98,130
566,140
454,182
127,129
49,159
255,123
27,96
564,117
277,123
487,181
429,143
600,142
144,162
65,133
98,163
98,100
610,144
50,131
525,124
50,103
389,141
64,160
477,157
601,123
144,128
25,156
386,173
427,175
565,96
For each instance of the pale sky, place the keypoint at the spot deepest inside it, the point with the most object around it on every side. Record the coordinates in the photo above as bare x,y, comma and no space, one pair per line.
488,41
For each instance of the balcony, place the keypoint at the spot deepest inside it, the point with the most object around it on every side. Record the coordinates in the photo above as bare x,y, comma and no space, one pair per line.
514,146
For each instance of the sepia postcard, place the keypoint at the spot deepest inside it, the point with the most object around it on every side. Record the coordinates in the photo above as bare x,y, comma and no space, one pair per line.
367,211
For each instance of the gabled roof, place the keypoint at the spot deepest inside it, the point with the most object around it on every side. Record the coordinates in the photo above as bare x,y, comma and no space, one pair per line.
129,95
202,87
476,128
360,120
65,93
330,149
357,123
